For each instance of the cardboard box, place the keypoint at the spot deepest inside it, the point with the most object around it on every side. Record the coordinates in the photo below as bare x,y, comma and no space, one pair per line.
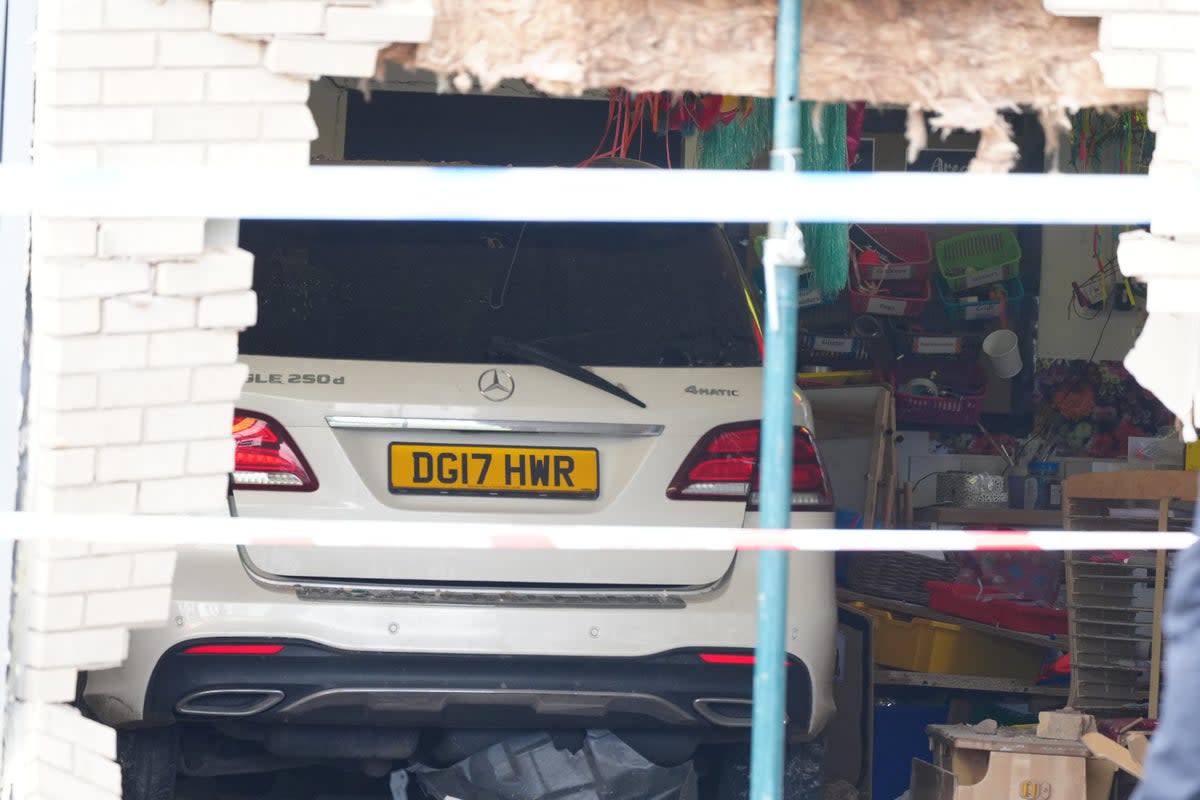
1007,766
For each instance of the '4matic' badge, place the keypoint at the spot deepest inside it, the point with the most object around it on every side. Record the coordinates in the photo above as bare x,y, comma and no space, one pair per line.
711,392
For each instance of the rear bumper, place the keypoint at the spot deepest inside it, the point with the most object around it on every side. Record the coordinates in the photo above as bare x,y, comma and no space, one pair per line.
387,644
307,684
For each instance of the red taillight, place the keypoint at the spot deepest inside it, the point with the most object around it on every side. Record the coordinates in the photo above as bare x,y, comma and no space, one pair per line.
266,457
234,650
724,466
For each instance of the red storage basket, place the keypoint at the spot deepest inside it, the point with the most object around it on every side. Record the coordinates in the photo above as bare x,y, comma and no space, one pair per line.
967,602
888,298
907,253
964,408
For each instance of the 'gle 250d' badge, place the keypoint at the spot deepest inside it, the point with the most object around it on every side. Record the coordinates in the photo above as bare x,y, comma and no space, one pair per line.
702,390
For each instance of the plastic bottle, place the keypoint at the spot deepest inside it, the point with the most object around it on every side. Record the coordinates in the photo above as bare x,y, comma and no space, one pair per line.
1047,484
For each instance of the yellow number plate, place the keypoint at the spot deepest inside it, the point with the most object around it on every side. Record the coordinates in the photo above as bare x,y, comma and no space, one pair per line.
466,469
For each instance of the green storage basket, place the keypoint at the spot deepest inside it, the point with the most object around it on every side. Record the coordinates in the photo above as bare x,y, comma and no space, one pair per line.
979,259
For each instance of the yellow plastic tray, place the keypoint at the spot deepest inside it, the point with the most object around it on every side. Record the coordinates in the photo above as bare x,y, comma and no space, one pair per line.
926,645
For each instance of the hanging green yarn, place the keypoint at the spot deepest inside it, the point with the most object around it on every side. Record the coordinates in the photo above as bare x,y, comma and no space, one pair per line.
738,144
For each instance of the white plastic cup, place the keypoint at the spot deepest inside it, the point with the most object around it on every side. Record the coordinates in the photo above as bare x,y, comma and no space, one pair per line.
1003,353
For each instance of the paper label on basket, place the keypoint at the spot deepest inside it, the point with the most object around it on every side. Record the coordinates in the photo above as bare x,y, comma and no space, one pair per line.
982,311
890,272
833,344
882,305
984,277
935,345
810,297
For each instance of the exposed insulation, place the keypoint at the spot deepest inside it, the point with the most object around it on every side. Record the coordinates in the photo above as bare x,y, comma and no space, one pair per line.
935,53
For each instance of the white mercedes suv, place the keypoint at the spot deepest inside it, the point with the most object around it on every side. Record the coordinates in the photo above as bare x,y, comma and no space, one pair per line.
481,372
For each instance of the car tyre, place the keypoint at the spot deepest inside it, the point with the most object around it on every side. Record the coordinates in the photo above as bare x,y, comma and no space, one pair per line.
149,762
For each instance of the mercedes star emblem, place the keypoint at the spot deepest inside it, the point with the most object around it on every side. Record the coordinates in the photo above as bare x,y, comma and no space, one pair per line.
496,385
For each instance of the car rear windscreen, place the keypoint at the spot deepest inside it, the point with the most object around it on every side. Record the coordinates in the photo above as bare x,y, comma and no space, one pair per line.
596,294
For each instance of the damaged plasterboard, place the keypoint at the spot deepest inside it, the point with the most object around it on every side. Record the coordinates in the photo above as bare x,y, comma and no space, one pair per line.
962,59
935,52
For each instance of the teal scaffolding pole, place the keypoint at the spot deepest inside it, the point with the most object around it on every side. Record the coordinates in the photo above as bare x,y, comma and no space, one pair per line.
783,254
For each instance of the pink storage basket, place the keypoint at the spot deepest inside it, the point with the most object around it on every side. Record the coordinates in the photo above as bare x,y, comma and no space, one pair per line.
965,407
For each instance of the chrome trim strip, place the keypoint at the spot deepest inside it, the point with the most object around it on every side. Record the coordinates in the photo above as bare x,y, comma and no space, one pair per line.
552,702
318,589
271,697
493,426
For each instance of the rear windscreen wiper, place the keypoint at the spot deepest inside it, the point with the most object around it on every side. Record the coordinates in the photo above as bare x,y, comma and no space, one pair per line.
533,354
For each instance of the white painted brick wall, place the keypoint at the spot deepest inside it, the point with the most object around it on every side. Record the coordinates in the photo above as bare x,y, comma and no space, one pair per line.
188,422
87,428
68,467
207,123
91,353
1158,31
390,21
135,320
46,685
235,310
157,15
140,461
146,312
129,608
209,457
288,122
95,124
255,85
66,51
181,495
143,387
67,317
64,392
151,86
74,278
204,49
267,18
100,498
151,155
151,237
315,56
212,273
192,348
65,237
215,384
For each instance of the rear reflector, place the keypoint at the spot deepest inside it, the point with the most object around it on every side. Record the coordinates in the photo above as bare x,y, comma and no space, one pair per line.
743,659
234,650
724,466
726,658
266,457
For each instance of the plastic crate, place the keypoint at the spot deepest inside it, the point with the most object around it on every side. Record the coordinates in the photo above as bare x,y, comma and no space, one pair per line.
979,259
984,307
967,602
906,298
830,347
924,344
926,645
891,252
965,407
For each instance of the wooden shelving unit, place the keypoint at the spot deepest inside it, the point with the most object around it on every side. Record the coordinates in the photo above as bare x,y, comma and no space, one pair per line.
966,683
1115,605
